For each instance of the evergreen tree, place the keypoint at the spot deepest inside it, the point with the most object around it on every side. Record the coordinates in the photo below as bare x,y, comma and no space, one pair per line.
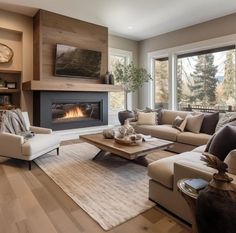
229,76
204,81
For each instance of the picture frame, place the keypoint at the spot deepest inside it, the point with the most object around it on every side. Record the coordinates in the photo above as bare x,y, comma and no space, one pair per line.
11,85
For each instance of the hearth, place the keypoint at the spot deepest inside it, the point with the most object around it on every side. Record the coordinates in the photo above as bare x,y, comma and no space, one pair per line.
67,110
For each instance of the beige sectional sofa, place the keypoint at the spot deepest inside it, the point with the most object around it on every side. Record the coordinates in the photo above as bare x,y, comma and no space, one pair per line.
184,141
165,173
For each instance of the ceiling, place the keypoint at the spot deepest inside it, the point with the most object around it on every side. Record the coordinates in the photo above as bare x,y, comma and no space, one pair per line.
133,19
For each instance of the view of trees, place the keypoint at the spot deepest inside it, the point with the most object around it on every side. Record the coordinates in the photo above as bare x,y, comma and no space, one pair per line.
161,83
205,80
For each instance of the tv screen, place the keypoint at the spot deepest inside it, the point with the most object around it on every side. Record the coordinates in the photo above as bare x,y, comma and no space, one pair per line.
75,62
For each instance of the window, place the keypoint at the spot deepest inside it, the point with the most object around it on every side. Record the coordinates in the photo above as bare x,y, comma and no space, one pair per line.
206,79
117,99
161,81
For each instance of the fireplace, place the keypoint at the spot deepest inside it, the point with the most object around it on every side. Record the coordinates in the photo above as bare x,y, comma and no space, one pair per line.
67,110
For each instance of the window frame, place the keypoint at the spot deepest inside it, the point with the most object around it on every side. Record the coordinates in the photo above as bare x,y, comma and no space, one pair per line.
172,54
128,55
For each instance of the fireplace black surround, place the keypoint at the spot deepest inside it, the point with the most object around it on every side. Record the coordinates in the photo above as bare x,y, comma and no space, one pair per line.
69,110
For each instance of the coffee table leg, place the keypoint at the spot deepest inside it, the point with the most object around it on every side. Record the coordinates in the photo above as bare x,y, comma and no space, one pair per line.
100,154
142,160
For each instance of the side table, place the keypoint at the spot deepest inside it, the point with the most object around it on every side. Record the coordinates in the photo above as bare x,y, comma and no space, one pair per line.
190,198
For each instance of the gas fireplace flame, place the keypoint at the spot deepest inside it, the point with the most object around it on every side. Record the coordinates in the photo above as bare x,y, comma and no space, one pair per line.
73,113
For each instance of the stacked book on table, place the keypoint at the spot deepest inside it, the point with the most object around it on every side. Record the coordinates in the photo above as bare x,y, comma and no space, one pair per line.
195,185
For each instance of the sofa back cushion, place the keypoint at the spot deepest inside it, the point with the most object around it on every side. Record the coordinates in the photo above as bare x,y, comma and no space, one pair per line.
169,116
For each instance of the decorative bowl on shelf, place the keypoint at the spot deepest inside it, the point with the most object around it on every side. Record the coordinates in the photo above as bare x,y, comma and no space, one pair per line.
131,140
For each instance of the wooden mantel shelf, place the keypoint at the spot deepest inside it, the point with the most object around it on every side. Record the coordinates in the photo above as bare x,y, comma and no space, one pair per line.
34,85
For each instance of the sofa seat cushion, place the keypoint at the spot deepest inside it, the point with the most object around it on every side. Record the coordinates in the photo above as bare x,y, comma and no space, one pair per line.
162,171
195,139
160,131
39,143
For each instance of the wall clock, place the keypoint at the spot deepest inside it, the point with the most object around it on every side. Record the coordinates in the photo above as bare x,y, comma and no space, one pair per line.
6,53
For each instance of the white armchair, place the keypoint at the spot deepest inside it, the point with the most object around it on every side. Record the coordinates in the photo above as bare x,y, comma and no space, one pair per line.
14,146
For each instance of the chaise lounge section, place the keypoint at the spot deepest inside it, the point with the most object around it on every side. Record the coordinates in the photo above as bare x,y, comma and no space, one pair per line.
166,172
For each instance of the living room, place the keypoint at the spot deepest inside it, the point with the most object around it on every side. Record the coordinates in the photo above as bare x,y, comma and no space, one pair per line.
112,144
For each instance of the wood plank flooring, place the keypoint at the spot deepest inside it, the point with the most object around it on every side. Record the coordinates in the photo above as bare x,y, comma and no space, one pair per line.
30,202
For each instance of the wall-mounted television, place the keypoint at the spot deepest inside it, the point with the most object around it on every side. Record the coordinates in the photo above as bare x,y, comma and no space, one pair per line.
75,62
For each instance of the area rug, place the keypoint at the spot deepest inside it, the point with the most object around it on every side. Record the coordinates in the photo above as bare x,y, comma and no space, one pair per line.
111,190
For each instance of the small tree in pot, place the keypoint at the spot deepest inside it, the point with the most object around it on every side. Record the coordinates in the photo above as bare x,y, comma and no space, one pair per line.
131,78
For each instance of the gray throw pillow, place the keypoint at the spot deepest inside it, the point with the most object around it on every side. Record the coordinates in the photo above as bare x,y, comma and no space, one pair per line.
209,123
222,142
225,119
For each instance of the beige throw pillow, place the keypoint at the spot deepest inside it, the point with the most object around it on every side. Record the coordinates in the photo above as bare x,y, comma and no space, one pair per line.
147,118
194,123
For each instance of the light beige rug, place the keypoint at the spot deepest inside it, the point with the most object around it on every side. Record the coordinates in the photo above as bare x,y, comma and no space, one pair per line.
111,190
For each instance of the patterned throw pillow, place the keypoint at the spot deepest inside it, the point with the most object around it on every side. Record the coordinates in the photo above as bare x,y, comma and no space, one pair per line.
179,123
158,111
147,118
136,111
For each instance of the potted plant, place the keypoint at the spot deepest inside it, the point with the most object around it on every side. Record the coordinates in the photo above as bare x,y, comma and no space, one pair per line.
131,78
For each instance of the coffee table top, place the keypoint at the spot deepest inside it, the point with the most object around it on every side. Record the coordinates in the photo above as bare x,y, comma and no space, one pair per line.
129,152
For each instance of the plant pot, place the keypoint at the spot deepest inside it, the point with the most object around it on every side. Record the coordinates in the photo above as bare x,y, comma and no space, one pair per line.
123,115
216,208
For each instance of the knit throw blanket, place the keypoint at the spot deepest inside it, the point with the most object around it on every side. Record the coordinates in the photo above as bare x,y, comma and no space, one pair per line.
12,121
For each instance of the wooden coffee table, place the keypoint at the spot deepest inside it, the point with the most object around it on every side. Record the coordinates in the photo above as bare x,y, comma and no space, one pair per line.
136,153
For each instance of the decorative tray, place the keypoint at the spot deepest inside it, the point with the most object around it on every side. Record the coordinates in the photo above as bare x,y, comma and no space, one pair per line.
131,140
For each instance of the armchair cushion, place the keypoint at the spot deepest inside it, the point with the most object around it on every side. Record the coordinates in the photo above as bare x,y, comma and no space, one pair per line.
39,145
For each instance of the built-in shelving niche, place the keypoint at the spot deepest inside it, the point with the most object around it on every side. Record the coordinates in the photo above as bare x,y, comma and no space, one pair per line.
10,98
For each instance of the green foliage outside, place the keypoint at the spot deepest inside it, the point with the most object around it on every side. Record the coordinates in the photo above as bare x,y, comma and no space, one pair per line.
204,82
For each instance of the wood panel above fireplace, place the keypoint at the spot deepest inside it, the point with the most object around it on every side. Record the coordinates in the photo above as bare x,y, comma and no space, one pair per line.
51,29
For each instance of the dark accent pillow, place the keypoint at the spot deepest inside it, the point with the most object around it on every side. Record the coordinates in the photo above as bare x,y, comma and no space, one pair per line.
209,123
159,114
222,142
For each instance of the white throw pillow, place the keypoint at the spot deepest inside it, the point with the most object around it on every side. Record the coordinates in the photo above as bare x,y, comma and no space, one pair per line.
194,123
147,118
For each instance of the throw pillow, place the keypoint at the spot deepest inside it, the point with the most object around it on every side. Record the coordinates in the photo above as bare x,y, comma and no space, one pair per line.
146,118
228,117
209,123
194,123
136,111
179,123
158,112
222,142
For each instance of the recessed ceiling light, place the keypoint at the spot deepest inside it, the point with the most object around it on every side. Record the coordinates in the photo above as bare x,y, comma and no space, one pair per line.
130,27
